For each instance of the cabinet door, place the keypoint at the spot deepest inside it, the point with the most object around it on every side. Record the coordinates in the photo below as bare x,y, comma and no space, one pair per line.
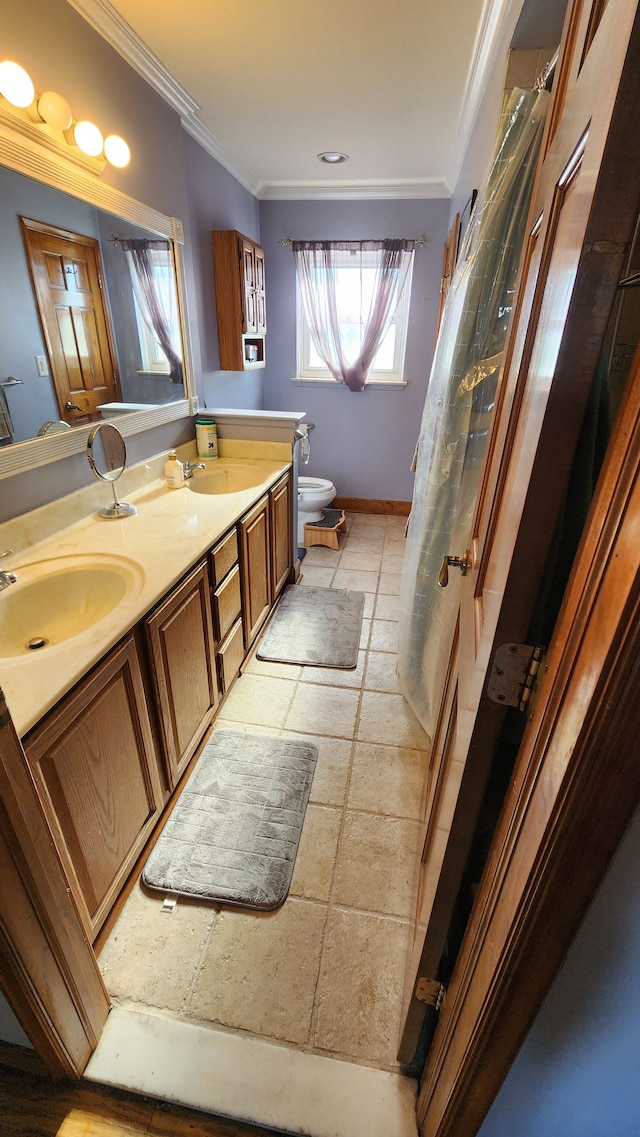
261,307
180,639
256,569
280,498
94,764
249,271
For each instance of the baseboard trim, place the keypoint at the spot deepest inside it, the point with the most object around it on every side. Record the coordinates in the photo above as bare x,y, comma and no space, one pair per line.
372,505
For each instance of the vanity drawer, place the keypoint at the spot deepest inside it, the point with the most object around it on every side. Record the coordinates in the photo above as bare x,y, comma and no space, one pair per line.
226,604
224,557
230,657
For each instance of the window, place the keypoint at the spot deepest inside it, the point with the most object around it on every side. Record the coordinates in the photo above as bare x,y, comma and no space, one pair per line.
355,278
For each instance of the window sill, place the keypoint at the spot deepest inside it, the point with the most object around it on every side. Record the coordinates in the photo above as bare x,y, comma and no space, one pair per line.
373,384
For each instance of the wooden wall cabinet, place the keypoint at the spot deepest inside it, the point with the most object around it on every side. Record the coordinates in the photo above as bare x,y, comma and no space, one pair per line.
94,764
255,563
238,264
280,518
182,656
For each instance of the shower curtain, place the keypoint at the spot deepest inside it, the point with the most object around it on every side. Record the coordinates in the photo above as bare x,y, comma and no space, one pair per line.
460,399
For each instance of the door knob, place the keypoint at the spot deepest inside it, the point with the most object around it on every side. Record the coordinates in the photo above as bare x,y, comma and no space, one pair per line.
69,406
463,563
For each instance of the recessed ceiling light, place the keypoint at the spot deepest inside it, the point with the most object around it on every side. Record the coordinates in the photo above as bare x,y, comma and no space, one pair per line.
332,157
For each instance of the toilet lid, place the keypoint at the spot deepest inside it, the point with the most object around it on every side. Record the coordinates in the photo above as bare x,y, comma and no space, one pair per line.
314,484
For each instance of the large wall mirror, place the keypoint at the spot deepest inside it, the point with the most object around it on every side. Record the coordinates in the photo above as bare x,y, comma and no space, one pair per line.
92,311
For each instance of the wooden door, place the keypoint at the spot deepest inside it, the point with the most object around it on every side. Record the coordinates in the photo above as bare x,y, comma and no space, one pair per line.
582,219
280,497
255,559
93,760
182,653
68,282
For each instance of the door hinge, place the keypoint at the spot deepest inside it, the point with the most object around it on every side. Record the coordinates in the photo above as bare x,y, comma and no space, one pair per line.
515,675
430,992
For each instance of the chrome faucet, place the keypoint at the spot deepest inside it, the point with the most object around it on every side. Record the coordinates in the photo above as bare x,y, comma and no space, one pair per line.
7,578
189,467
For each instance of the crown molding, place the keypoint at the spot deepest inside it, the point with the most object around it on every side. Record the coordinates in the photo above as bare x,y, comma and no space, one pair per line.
104,18
205,138
495,16
413,188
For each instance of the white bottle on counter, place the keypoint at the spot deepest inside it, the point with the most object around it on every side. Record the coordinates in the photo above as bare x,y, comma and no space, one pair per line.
174,471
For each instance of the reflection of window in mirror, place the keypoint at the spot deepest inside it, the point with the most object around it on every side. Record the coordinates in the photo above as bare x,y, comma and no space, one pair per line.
154,359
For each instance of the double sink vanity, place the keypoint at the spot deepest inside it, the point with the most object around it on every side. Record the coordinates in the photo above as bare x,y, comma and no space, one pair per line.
119,640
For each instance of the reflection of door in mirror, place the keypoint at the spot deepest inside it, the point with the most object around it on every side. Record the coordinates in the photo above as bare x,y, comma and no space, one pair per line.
67,277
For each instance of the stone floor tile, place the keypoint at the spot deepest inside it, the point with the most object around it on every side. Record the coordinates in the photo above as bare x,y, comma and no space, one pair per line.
380,672
323,710
151,956
389,583
387,718
394,546
357,580
258,699
315,862
275,670
314,576
384,635
365,633
387,607
376,862
260,971
329,786
360,989
367,559
387,779
391,562
321,557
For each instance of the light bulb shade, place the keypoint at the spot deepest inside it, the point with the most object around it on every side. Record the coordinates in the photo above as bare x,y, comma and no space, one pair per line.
15,84
88,138
54,110
116,151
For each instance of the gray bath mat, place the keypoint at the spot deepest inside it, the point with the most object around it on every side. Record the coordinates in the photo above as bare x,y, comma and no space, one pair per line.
233,835
319,627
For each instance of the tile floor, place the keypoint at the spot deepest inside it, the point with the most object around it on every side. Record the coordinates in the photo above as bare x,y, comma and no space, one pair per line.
324,973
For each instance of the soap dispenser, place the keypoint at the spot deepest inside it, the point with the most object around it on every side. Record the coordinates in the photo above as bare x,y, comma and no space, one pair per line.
174,471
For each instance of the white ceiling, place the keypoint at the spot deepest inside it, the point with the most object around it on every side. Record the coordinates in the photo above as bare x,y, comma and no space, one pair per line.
266,85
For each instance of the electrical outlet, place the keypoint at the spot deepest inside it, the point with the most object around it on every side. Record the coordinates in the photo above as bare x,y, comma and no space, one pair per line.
41,364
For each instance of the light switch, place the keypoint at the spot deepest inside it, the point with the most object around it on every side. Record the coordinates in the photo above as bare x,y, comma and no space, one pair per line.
41,364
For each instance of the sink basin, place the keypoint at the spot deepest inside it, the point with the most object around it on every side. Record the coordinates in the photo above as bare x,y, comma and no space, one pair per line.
57,599
226,479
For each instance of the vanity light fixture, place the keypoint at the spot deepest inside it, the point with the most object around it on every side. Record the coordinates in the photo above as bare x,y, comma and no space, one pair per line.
15,85
48,119
332,157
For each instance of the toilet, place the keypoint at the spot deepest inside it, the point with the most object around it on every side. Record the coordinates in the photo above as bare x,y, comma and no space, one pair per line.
314,495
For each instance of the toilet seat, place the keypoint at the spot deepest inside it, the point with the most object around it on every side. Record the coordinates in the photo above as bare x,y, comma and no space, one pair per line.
314,485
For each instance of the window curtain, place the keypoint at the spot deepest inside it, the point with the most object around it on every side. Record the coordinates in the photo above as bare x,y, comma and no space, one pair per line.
155,303
316,265
460,401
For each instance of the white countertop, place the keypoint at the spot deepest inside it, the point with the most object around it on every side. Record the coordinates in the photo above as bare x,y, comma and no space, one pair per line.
170,533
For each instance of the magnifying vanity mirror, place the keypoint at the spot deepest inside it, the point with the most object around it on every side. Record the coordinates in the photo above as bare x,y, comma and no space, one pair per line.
107,456
58,229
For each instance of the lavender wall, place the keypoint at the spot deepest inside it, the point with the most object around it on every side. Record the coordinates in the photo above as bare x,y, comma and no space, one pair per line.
363,442
216,201
577,1072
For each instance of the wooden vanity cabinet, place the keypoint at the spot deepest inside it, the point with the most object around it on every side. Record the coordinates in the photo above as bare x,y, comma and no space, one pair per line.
255,566
280,518
181,649
227,609
94,763
238,264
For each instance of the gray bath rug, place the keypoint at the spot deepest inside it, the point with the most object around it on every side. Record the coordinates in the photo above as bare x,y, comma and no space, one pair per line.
234,832
319,627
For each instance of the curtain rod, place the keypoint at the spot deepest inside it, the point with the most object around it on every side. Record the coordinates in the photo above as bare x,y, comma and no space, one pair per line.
547,72
416,240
